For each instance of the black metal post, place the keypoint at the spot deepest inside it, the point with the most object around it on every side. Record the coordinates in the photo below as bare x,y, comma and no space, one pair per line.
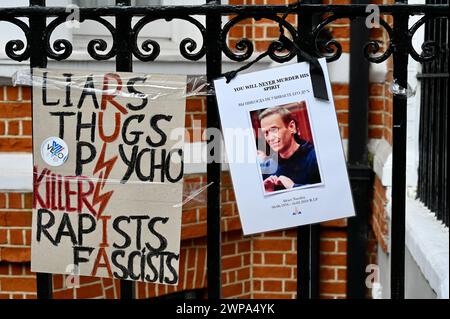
124,63
358,91
359,170
303,261
400,72
38,58
314,249
361,180
314,256
308,236
213,171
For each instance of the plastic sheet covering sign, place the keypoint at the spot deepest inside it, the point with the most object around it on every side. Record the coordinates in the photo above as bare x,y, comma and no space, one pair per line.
108,174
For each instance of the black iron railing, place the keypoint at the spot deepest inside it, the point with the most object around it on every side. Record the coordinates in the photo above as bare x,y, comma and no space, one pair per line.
39,47
432,188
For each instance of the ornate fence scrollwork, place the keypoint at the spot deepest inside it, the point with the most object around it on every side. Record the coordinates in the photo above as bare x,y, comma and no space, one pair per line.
190,49
152,48
96,45
245,46
62,48
332,48
12,47
430,49
373,47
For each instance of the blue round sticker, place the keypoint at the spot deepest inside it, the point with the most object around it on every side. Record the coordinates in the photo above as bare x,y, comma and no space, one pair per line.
54,151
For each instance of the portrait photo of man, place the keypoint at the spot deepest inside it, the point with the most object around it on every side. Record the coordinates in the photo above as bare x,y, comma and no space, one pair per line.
285,147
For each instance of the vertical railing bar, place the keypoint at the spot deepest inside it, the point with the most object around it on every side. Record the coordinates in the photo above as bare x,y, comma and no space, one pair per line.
445,155
357,228
422,127
431,123
443,119
38,58
427,123
213,170
314,246
442,137
424,124
438,128
124,63
433,135
314,257
303,262
315,229
400,72
358,91
445,123
422,133
314,250
304,275
435,143
445,208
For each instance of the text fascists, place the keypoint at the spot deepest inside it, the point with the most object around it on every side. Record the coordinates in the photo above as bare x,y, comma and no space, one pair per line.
131,257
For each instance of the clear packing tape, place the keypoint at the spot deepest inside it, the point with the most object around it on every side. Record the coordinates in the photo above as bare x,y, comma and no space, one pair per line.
132,88
396,89
196,85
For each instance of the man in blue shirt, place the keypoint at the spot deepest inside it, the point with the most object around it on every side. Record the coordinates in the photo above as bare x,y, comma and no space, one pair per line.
293,162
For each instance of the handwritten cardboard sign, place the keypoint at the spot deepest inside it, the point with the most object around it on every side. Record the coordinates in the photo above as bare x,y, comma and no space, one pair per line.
108,174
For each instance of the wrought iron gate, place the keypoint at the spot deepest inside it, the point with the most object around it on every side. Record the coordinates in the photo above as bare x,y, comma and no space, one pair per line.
38,49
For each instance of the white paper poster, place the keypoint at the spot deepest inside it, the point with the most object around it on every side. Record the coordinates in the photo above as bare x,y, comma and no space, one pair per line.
108,174
284,149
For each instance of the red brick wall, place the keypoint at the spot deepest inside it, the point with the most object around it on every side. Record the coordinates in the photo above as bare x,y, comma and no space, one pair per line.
333,266
380,110
274,265
236,265
195,120
15,119
379,220
15,226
